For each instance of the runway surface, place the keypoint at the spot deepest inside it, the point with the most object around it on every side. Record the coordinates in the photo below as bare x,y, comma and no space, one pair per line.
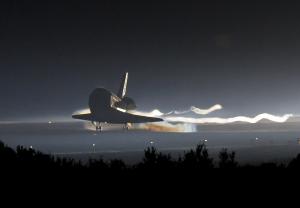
253,143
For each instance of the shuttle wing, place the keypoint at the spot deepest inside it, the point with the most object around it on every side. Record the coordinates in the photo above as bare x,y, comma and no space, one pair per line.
116,116
87,117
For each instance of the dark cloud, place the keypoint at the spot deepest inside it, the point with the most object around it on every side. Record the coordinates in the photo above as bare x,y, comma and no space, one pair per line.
223,40
243,55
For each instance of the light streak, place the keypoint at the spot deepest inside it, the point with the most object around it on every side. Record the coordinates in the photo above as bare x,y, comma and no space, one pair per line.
217,120
200,111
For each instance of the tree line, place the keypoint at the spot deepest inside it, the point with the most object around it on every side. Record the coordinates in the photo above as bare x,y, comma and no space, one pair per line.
194,159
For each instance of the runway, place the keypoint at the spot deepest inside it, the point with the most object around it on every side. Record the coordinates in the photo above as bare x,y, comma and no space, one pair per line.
263,142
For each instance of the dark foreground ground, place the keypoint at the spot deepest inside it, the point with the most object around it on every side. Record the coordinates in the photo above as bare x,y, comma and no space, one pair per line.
25,171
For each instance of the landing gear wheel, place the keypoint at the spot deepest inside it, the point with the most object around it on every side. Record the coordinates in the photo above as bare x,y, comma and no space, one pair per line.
97,125
126,126
99,128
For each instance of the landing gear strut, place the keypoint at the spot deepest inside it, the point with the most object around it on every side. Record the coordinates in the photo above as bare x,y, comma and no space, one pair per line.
99,128
97,125
126,126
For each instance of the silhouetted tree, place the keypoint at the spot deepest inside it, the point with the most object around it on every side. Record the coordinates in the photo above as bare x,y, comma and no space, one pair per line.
150,157
227,160
29,158
164,161
154,160
117,165
97,164
270,165
295,163
8,157
197,159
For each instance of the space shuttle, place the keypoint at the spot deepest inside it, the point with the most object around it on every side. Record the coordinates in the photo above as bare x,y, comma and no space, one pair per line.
107,107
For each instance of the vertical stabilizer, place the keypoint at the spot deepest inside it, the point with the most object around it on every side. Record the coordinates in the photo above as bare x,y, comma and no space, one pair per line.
122,90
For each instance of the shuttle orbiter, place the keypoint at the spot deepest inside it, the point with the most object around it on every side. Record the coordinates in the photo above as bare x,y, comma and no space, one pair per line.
107,107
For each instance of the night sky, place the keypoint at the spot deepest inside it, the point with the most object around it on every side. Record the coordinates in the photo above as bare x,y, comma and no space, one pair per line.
241,54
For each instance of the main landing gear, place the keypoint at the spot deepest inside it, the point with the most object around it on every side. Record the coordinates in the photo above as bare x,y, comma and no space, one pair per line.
99,128
126,126
97,125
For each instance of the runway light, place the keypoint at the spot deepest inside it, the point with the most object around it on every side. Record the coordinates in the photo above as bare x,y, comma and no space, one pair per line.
204,140
94,149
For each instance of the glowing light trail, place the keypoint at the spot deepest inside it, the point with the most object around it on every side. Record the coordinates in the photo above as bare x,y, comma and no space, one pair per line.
200,111
277,119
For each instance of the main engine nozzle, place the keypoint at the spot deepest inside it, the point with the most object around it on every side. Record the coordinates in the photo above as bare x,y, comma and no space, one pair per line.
126,103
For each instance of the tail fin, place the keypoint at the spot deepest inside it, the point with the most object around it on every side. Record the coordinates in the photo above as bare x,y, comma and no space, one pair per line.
122,90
